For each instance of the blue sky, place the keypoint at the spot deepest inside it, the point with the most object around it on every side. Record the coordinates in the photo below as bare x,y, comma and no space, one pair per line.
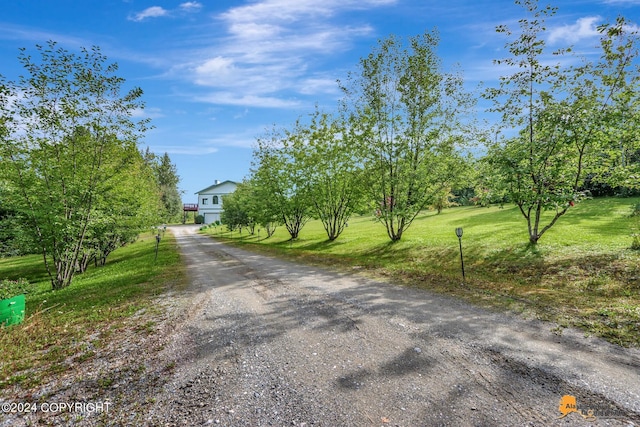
217,74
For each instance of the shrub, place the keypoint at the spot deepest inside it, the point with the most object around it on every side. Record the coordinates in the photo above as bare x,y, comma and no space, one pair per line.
199,219
11,288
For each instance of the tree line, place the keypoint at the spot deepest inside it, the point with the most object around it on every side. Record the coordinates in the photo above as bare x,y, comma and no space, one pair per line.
74,186
401,140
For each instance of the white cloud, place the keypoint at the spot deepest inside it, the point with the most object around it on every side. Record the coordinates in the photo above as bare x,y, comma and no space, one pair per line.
215,68
247,100
312,86
289,11
147,113
253,30
158,11
259,54
583,28
203,145
244,76
150,12
191,6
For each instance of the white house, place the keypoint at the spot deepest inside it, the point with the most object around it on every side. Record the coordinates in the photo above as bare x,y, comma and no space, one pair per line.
210,200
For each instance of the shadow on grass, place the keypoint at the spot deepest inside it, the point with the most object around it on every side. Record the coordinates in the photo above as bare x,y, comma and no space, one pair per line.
221,334
322,246
30,267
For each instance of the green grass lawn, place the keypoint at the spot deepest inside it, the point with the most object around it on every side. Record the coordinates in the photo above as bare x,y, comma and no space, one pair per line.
65,325
582,272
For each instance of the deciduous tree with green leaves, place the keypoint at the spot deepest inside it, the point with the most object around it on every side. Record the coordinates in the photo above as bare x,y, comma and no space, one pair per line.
330,161
129,203
408,113
237,209
618,163
167,179
282,183
553,117
253,206
15,238
63,121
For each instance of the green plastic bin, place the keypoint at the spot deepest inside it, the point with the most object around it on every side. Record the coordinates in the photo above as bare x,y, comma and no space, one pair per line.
12,311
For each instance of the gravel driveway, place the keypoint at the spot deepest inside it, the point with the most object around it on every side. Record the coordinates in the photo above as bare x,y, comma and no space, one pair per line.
272,343
256,341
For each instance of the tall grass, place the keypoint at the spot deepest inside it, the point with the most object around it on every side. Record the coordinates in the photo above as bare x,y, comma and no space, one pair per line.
582,273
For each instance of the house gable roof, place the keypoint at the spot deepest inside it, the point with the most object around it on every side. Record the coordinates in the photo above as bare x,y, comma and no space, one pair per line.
214,186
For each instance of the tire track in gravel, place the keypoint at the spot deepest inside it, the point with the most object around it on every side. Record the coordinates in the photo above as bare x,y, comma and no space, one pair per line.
268,342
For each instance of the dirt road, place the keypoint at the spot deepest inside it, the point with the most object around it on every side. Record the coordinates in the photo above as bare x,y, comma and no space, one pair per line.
268,342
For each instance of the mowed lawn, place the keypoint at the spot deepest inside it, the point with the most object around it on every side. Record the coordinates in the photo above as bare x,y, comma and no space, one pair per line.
66,327
582,273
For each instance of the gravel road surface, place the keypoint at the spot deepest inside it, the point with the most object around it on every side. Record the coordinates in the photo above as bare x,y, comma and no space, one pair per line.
273,343
257,341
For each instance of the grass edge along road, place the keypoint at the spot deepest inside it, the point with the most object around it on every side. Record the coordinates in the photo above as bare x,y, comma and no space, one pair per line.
581,274
63,328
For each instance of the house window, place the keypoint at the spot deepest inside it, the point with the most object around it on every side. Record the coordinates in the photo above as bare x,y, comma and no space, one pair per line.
205,201
215,200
